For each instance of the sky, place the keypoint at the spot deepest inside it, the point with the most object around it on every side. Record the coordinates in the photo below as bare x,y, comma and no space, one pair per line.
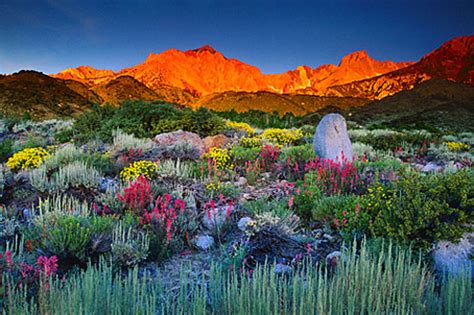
51,35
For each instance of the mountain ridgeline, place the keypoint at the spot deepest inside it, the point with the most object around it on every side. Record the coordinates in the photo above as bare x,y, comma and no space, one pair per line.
204,77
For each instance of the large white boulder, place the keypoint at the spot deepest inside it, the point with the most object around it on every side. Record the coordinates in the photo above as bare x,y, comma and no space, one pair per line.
331,140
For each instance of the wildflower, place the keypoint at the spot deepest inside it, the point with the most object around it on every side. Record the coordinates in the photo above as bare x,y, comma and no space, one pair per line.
220,158
282,136
8,258
25,269
290,202
47,266
28,246
240,126
27,158
137,196
144,168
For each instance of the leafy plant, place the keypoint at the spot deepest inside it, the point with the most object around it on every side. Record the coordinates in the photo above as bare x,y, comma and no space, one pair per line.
129,247
423,208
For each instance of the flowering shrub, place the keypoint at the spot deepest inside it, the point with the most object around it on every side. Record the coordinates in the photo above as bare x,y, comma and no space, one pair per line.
269,155
22,272
169,224
283,136
240,126
457,146
217,215
220,158
27,158
144,168
334,177
137,196
252,170
251,142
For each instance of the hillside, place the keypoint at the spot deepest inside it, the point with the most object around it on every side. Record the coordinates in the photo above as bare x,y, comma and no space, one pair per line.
272,102
124,88
39,95
438,103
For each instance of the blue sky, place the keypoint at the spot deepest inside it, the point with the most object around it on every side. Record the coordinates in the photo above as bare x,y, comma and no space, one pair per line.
275,36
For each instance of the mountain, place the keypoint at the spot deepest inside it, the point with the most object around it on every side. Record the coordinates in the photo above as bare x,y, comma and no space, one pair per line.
205,71
273,102
86,75
39,95
453,61
205,77
439,103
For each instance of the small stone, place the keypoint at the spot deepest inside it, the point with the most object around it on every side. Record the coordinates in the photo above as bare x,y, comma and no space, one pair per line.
328,237
282,269
333,258
432,167
204,242
453,258
241,182
242,224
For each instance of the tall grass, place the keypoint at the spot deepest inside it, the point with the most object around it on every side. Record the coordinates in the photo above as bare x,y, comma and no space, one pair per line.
389,282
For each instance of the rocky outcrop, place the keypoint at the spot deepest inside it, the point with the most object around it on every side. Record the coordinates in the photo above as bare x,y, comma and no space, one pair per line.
217,141
172,138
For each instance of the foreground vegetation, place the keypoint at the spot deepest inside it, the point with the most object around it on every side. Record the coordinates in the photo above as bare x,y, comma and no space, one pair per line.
96,218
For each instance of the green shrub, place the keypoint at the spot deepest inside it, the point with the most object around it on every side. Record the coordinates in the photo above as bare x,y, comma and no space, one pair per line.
6,148
144,119
64,136
260,206
306,201
62,235
300,153
423,208
241,155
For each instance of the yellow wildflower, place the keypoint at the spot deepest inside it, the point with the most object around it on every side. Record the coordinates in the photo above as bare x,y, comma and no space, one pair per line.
148,169
27,158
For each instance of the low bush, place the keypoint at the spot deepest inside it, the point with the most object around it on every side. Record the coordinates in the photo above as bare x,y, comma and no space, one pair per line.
221,158
6,148
129,247
239,127
27,159
144,168
282,136
423,208
73,175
